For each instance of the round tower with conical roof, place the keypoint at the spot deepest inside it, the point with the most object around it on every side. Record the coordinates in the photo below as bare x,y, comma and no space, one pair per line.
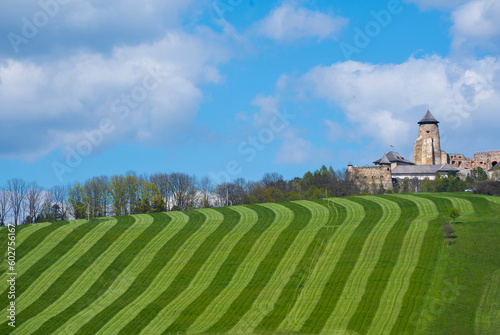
427,149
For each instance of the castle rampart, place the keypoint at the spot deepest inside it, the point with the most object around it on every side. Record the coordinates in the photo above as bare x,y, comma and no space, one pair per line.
484,159
366,176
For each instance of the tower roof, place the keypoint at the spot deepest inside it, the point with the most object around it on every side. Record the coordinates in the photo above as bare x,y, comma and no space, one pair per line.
384,160
428,118
392,157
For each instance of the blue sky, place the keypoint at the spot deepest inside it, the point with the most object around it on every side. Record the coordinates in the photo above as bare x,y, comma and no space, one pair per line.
239,88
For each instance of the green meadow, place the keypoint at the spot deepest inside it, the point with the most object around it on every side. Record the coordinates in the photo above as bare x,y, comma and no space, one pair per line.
358,265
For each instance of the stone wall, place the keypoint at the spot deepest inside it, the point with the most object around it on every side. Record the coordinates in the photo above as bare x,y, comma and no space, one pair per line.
427,149
365,176
485,160
460,161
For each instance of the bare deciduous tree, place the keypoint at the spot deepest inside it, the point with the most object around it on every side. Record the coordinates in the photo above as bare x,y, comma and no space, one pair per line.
49,210
183,188
17,189
161,180
118,190
4,206
60,195
274,179
206,188
34,201
97,192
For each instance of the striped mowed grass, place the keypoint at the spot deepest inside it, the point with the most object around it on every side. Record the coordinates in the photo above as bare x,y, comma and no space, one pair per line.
358,265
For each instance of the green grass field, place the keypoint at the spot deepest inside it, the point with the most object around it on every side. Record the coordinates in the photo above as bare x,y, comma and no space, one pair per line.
359,265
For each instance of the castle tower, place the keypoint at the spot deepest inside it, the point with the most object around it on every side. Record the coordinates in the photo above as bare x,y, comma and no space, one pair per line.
427,149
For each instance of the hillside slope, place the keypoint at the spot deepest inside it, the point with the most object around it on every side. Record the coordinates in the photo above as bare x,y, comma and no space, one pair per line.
367,265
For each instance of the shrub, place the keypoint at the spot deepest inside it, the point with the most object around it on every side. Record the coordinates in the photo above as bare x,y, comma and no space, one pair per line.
489,187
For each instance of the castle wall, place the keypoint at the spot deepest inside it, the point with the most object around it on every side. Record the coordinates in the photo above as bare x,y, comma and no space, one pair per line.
485,160
366,176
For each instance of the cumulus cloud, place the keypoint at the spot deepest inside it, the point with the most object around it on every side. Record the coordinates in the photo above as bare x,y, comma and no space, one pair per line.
334,131
297,151
95,25
268,107
384,102
476,24
289,22
150,91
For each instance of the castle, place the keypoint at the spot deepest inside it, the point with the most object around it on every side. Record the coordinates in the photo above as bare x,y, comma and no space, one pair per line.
429,160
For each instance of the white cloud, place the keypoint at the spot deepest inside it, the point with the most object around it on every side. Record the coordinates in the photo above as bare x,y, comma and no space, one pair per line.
384,102
289,22
55,101
334,131
476,23
296,150
268,107
91,24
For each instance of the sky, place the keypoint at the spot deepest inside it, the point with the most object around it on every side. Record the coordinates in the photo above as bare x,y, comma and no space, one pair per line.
234,89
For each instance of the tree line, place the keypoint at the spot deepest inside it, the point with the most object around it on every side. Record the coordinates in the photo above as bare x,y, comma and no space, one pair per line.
26,202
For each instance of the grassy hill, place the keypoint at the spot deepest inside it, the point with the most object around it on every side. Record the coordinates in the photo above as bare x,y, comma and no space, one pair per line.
367,265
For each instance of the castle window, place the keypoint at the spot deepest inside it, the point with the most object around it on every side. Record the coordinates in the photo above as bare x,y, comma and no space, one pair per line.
365,177
381,177
388,169
428,131
373,177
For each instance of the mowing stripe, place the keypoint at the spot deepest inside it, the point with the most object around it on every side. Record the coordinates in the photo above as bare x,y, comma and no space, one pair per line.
32,238
482,206
491,198
150,257
266,269
421,280
406,283
204,275
166,313
23,233
196,222
26,234
58,266
33,256
92,275
315,216
343,268
362,318
324,217
272,225
139,236
72,273
258,308
488,312
45,264
465,206
185,281
350,215
356,285
225,274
